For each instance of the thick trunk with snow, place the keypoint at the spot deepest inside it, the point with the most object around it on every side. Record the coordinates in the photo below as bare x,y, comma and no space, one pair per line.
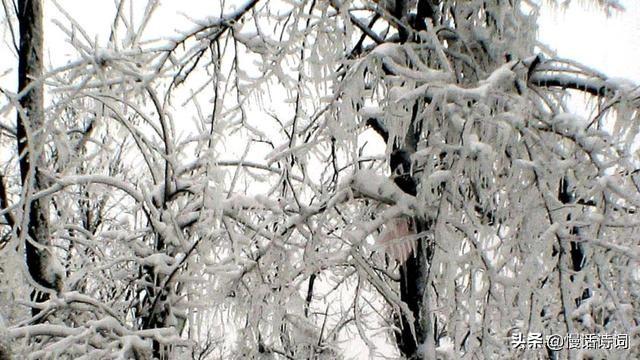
31,134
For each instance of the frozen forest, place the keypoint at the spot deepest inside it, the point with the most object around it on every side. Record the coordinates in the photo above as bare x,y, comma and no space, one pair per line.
313,179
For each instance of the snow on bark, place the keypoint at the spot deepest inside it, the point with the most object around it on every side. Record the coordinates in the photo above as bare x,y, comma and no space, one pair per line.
398,239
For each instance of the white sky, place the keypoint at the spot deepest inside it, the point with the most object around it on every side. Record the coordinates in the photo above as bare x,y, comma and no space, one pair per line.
611,45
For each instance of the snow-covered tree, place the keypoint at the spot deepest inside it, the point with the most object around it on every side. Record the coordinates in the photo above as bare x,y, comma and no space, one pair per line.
292,179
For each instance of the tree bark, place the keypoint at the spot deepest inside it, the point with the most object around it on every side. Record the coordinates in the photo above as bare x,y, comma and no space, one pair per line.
30,123
414,272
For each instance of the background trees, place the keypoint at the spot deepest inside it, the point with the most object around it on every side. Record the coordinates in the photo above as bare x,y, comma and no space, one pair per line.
222,192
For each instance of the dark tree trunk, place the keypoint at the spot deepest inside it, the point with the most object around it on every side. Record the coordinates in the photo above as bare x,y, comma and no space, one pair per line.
577,251
414,272
30,134
413,284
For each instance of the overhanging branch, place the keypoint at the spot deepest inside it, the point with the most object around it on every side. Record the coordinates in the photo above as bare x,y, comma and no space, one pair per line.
593,86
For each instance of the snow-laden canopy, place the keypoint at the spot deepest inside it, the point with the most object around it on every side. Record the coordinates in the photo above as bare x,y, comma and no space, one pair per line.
299,179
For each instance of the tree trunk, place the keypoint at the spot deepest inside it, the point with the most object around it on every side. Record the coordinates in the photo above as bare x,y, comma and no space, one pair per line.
30,123
414,340
414,272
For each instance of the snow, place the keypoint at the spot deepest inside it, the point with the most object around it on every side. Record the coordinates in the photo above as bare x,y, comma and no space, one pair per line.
439,176
500,78
570,123
476,147
54,272
162,263
392,51
397,239
238,236
379,187
371,112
